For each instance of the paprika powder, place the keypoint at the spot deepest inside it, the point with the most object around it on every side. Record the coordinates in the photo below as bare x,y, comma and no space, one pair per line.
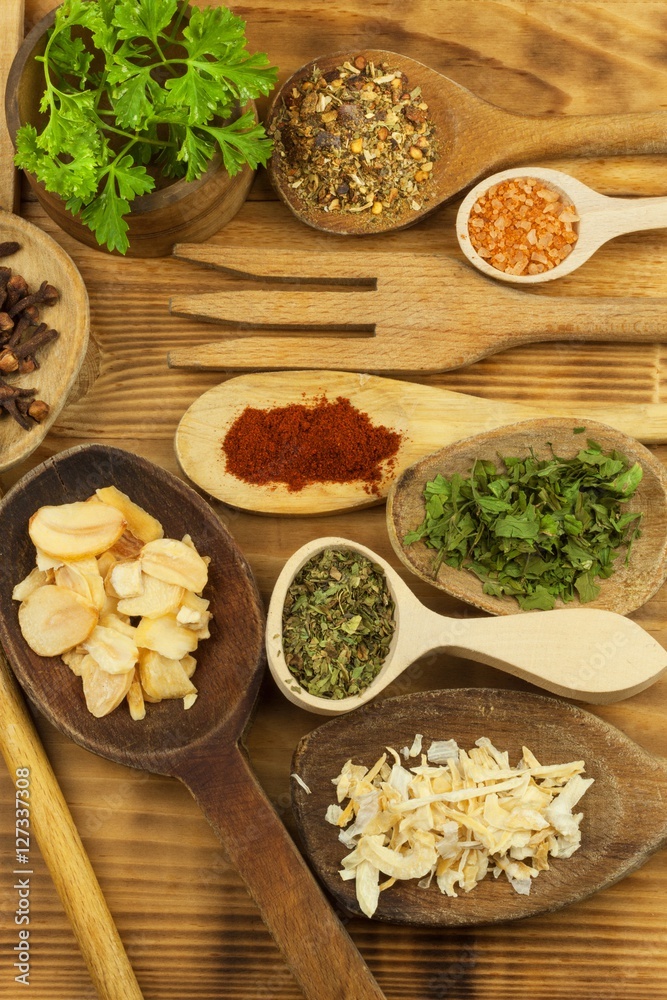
324,442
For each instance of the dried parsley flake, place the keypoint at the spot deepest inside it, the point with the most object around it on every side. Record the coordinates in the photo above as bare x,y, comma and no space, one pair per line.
538,530
338,622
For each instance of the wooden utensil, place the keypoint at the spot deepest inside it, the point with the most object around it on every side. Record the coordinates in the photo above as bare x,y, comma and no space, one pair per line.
474,138
630,586
40,259
60,845
392,312
601,220
427,417
595,655
624,822
201,746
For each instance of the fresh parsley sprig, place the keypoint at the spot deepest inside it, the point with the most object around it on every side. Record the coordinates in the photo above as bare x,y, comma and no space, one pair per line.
139,87
536,530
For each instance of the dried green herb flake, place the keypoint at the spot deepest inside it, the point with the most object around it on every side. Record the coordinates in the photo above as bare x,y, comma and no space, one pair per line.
537,530
338,623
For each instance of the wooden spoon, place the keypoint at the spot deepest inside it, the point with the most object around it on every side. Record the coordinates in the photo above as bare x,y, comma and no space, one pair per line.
39,259
625,818
201,746
474,138
427,417
601,220
630,586
595,655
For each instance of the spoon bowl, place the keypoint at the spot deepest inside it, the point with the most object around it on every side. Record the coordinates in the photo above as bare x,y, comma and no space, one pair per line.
625,818
597,656
201,746
626,590
427,417
600,219
473,137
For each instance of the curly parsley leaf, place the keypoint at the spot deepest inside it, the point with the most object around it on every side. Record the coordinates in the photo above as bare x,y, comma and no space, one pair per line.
120,96
243,141
105,214
135,18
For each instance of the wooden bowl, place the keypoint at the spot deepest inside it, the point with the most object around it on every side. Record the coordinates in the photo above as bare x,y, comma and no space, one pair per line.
184,210
42,259
230,664
627,589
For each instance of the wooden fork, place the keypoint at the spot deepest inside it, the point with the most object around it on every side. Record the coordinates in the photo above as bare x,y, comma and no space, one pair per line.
392,312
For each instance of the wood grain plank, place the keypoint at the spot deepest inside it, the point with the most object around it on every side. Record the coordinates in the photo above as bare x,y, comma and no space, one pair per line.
185,918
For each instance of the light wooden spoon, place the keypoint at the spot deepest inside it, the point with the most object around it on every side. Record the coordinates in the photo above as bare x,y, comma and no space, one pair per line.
593,655
474,138
203,746
601,220
427,417
625,818
630,586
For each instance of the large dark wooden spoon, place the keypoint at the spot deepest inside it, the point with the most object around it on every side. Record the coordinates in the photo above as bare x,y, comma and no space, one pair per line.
202,746
625,810
474,138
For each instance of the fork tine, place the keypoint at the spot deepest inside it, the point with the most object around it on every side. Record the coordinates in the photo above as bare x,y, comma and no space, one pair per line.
289,264
262,353
288,310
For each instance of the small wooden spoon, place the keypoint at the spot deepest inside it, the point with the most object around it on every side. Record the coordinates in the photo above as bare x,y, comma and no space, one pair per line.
624,592
474,137
595,655
601,220
625,818
202,746
427,417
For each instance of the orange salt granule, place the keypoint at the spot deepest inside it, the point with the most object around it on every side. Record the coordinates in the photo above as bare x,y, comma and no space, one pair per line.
521,226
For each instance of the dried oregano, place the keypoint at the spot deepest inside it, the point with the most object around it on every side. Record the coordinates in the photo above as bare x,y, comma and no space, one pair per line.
338,622
536,530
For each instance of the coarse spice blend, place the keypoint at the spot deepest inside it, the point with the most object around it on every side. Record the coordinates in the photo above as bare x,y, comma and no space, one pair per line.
523,226
338,623
357,139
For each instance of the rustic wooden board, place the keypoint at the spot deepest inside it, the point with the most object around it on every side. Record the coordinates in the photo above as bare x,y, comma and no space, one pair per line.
164,874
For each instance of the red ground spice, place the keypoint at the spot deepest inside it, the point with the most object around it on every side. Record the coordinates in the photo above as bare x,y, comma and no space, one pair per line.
325,442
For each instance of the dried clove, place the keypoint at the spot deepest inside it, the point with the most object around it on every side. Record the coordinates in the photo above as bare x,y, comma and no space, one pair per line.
17,288
21,337
10,357
46,295
8,248
17,402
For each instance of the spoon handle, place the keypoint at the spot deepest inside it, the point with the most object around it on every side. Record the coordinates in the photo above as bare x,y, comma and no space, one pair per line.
314,943
528,136
583,653
62,850
630,215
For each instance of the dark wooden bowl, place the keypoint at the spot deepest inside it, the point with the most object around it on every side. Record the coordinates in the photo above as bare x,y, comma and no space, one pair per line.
183,210
229,665
624,813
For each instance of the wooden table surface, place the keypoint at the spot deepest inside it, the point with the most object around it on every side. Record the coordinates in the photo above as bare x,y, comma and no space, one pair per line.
190,928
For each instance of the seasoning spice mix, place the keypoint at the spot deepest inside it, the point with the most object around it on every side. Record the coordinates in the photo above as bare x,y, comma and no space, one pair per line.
357,139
